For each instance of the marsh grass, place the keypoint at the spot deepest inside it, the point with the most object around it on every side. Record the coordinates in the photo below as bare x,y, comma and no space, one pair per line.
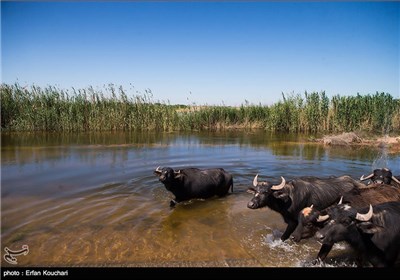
53,109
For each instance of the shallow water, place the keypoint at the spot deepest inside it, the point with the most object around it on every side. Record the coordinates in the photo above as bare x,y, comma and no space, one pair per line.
93,200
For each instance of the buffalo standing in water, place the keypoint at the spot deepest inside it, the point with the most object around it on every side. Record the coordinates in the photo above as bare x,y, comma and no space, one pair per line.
289,198
311,220
375,236
190,183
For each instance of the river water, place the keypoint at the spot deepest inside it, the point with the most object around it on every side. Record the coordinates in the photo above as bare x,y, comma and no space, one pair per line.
93,200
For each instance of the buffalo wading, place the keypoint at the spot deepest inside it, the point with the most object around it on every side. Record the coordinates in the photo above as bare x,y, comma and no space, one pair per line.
189,183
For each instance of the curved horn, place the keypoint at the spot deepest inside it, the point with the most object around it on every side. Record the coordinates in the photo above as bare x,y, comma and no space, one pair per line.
365,217
322,218
158,170
280,186
255,181
177,172
386,169
366,178
341,200
395,179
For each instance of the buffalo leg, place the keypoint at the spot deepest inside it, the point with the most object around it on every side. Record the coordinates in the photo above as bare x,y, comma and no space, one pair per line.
359,260
324,251
289,230
172,203
377,261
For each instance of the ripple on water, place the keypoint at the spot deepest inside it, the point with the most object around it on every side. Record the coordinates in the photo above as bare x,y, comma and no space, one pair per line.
89,205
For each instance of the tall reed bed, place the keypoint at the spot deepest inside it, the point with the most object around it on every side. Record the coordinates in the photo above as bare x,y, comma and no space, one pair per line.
53,109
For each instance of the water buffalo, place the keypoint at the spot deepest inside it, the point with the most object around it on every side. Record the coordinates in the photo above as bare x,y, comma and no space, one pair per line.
382,176
310,218
190,183
374,235
290,198
357,198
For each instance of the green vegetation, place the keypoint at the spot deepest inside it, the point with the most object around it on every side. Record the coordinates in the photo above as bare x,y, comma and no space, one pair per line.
53,109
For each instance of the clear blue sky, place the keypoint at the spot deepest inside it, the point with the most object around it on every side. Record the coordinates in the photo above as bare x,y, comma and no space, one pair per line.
204,52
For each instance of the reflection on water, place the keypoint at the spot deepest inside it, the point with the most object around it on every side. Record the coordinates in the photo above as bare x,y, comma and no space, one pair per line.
92,199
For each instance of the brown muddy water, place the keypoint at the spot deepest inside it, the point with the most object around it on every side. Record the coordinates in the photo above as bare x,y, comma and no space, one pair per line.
93,200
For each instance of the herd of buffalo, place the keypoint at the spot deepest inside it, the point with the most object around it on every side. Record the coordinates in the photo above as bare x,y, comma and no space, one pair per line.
365,213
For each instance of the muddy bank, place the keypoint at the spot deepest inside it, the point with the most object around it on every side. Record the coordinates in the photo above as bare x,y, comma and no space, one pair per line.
391,143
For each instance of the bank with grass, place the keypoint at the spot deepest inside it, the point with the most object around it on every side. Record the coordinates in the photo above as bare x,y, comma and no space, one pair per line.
81,110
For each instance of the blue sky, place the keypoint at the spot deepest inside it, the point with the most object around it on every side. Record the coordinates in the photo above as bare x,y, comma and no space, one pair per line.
204,52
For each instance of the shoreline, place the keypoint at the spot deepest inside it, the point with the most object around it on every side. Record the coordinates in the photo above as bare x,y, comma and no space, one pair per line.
391,143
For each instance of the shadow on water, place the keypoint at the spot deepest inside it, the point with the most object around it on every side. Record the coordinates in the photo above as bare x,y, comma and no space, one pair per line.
93,200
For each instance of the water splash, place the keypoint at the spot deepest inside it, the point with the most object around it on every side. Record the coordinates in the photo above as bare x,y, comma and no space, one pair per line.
330,262
273,241
327,263
382,159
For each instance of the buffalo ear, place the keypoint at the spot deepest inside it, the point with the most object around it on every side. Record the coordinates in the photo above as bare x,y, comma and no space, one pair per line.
251,190
368,227
281,195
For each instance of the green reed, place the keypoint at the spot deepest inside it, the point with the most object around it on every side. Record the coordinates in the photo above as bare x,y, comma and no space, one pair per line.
53,109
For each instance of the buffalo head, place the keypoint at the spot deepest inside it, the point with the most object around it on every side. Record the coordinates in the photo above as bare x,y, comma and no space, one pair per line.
343,220
262,192
308,223
380,176
167,174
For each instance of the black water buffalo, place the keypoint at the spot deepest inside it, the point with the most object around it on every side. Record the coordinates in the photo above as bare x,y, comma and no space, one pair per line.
382,176
311,219
374,235
290,198
357,198
190,183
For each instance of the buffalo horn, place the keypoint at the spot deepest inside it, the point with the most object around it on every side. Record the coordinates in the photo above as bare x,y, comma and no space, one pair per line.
255,181
322,218
341,200
280,186
366,178
158,170
365,217
395,179
177,172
